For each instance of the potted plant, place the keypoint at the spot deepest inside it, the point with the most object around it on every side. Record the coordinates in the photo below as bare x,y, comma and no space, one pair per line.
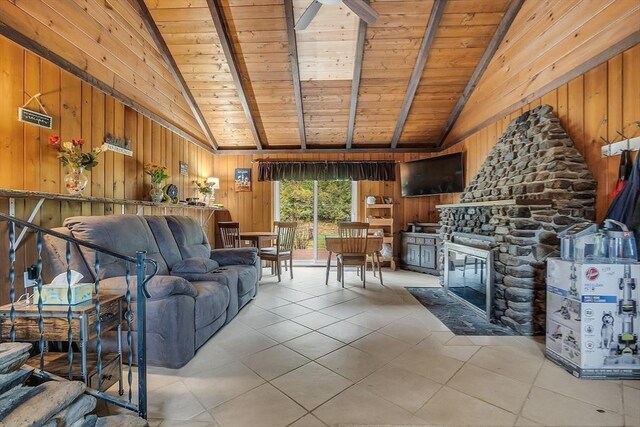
158,174
205,189
71,155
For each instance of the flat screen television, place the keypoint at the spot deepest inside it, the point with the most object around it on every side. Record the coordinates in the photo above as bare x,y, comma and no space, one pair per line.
437,175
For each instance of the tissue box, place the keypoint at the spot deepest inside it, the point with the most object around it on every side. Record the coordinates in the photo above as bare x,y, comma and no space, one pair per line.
57,294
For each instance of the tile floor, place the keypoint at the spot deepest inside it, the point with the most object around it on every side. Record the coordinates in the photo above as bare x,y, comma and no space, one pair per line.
304,354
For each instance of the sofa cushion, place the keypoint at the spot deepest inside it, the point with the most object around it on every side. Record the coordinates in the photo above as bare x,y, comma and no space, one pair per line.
247,278
190,238
235,256
195,265
164,239
123,234
157,286
211,302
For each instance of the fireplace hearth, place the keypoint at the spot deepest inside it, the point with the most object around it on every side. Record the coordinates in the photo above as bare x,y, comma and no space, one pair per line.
533,184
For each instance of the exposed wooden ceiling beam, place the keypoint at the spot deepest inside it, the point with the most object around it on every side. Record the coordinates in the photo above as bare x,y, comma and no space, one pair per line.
143,11
355,83
430,149
423,54
295,70
494,44
227,48
82,74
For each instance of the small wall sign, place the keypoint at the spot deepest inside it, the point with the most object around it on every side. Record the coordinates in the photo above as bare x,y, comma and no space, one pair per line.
34,118
118,145
184,168
243,179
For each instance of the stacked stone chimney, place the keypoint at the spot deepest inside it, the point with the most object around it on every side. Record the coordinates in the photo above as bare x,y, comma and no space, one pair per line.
533,184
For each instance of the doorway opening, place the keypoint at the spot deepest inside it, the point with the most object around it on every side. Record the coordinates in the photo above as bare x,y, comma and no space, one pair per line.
317,207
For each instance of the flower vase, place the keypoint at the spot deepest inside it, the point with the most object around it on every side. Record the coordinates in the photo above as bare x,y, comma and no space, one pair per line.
75,180
156,193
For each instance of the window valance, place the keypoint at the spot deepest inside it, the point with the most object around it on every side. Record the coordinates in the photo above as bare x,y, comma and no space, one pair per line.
326,171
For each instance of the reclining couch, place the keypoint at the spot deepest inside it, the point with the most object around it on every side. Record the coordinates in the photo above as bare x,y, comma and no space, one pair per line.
195,292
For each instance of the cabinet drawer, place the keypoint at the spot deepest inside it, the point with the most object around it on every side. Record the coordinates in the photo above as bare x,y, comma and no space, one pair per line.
410,240
429,241
420,240
110,373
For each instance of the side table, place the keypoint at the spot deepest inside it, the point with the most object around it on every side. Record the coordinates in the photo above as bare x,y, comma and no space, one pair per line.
83,328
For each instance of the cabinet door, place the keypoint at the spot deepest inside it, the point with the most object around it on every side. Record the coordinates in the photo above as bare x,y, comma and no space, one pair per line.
428,256
413,254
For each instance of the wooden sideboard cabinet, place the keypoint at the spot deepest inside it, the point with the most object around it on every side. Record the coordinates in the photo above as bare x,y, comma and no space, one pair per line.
419,252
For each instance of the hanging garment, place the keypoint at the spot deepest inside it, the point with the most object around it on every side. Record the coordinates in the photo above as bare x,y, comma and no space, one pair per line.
624,171
626,205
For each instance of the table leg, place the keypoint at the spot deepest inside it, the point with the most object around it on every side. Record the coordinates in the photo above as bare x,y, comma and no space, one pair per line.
326,282
379,267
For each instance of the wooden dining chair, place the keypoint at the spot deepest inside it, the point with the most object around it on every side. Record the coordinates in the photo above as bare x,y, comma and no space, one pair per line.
374,257
283,250
229,234
353,247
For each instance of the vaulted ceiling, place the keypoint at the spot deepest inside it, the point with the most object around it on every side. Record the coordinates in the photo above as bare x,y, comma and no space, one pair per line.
236,75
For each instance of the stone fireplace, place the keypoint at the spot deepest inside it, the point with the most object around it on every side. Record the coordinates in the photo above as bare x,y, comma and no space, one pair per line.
533,184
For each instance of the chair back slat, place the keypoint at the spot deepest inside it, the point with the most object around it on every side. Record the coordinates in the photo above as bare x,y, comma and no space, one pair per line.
353,237
229,234
286,235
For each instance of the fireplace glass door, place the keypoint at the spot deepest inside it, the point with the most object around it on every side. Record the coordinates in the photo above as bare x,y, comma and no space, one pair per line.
468,275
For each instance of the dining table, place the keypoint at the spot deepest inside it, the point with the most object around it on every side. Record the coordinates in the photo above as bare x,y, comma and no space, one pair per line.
374,246
259,239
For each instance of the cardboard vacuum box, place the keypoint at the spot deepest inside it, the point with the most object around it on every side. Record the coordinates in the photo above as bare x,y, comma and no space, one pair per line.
592,318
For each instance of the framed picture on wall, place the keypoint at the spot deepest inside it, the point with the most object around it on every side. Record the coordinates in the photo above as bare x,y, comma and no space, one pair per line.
243,179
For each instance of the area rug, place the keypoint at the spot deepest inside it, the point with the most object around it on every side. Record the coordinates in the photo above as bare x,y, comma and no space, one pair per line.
458,317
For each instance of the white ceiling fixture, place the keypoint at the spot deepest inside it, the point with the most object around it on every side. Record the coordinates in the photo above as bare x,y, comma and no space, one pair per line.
359,7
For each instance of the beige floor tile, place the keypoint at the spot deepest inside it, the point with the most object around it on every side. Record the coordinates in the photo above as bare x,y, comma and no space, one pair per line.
407,330
318,303
173,401
430,321
356,405
314,345
406,389
315,320
632,402
268,302
604,394
441,336
459,340
284,331
459,352
437,368
493,340
510,361
190,423
290,311
451,408
308,420
345,331
631,421
223,384
632,384
244,343
381,346
286,293
351,363
370,320
548,408
264,406
274,361
311,385
260,320
523,422
208,357
493,388
346,309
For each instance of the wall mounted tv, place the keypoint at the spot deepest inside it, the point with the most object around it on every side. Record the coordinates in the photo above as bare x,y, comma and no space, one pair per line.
437,175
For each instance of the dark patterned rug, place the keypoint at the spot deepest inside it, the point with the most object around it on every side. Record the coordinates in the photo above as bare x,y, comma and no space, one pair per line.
461,319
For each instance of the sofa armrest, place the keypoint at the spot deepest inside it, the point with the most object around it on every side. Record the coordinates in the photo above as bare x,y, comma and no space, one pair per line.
158,286
235,256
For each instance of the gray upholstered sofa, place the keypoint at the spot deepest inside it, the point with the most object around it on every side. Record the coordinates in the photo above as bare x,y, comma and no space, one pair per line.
195,292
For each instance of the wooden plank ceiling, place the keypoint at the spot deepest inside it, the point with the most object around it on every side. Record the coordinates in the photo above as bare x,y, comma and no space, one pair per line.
237,58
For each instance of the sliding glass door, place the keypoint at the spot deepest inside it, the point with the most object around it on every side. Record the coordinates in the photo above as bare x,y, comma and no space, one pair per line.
317,207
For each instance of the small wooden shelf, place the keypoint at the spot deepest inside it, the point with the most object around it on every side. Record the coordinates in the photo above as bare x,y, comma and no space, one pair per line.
380,216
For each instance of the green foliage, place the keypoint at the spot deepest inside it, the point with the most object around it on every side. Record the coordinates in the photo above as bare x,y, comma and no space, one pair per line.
334,201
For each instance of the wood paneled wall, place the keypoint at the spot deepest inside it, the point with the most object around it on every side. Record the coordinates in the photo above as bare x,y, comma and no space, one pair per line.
78,110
